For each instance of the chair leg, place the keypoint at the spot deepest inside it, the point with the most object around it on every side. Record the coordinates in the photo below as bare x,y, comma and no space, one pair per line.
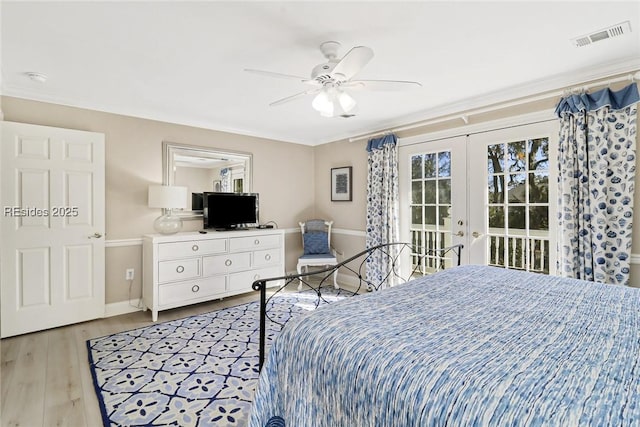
299,269
335,279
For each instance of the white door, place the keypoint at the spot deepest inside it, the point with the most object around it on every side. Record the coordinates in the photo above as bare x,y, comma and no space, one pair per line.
52,250
513,197
433,200
489,191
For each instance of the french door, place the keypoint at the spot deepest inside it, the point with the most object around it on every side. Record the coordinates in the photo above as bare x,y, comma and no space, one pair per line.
433,201
492,191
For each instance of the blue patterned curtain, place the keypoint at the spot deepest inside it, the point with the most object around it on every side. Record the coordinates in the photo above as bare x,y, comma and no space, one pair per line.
382,206
597,164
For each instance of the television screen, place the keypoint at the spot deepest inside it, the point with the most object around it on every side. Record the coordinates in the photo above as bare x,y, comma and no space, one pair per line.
230,210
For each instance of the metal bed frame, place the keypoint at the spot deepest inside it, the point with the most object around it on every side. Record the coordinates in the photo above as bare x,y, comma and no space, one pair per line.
356,265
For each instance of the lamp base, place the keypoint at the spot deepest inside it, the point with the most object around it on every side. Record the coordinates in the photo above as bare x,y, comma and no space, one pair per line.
167,224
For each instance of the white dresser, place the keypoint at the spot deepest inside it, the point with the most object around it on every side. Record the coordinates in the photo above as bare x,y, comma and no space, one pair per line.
187,268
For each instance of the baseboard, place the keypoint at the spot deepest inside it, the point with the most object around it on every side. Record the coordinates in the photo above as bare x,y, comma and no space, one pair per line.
120,307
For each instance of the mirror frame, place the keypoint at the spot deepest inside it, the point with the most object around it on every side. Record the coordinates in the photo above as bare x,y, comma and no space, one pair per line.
170,148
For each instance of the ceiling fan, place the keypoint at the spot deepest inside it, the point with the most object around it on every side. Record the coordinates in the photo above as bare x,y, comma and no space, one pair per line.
331,80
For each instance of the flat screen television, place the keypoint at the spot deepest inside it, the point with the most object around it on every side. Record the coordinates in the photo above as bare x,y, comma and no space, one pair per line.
228,211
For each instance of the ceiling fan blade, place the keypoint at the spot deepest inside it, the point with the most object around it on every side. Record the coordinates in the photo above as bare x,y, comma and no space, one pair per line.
352,63
382,85
279,75
293,97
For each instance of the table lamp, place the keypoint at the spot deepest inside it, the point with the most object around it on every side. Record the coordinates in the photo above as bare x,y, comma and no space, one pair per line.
167,197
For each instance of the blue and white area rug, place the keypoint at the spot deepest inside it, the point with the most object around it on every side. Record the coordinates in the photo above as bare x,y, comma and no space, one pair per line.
198,371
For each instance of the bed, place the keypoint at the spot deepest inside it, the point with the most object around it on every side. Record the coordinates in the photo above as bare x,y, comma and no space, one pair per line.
468,346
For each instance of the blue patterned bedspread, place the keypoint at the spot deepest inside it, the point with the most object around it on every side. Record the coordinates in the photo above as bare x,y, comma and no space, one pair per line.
470,346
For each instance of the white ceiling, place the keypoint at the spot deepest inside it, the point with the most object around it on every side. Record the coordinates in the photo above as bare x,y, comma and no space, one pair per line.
183,62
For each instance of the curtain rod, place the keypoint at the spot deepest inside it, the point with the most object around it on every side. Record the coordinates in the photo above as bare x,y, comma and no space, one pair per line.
465,115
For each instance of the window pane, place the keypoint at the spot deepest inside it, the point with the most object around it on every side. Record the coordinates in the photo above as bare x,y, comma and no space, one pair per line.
443,213
496,217
496,188
429,191
444,163
416,216
444,191
539,154
517,188
495,156
538,217
516,156
429,165
416,192
416,167
430,215
516,218
538,187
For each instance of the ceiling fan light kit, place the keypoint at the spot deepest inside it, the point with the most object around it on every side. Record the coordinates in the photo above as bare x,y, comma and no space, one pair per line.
330,79
331,102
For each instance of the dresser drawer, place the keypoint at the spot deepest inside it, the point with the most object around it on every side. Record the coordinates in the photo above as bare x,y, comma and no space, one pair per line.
237,244
171,271
220,264
243,281
175,293
267,257
191,248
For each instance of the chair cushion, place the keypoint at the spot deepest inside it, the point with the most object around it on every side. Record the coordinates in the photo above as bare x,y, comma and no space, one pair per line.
316,243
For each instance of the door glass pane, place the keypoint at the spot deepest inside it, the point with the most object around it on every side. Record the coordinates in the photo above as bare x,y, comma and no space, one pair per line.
430,165
416,167
416,216
444,164
516,156
430,211
538,218
496,219
430,215
516,219
495,155
443,215
518,227
539,187
496,188
517,188
430,191
416,192
444,191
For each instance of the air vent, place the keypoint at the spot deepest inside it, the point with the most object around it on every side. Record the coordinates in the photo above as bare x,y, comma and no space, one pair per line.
607,33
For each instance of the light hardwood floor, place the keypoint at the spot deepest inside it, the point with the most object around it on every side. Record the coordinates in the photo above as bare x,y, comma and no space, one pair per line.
45,378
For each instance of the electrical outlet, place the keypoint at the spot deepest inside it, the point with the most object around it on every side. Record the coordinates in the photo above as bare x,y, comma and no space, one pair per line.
129,273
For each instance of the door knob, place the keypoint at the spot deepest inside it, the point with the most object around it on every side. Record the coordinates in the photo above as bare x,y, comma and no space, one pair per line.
476,234
95,236
460,233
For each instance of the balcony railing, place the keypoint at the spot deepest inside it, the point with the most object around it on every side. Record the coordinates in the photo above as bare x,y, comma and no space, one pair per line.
530,253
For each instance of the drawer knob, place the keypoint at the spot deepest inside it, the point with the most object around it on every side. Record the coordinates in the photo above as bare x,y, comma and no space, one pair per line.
179,269
194,248
267,257
228,262
195,288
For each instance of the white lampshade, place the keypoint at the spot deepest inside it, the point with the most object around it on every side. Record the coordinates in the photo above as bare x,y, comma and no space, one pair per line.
167,197
332,102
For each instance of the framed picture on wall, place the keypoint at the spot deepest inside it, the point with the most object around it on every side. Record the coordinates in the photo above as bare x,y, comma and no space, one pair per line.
341,184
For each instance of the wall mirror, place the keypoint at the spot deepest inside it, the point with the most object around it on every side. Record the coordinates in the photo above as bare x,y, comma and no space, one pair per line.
203,169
